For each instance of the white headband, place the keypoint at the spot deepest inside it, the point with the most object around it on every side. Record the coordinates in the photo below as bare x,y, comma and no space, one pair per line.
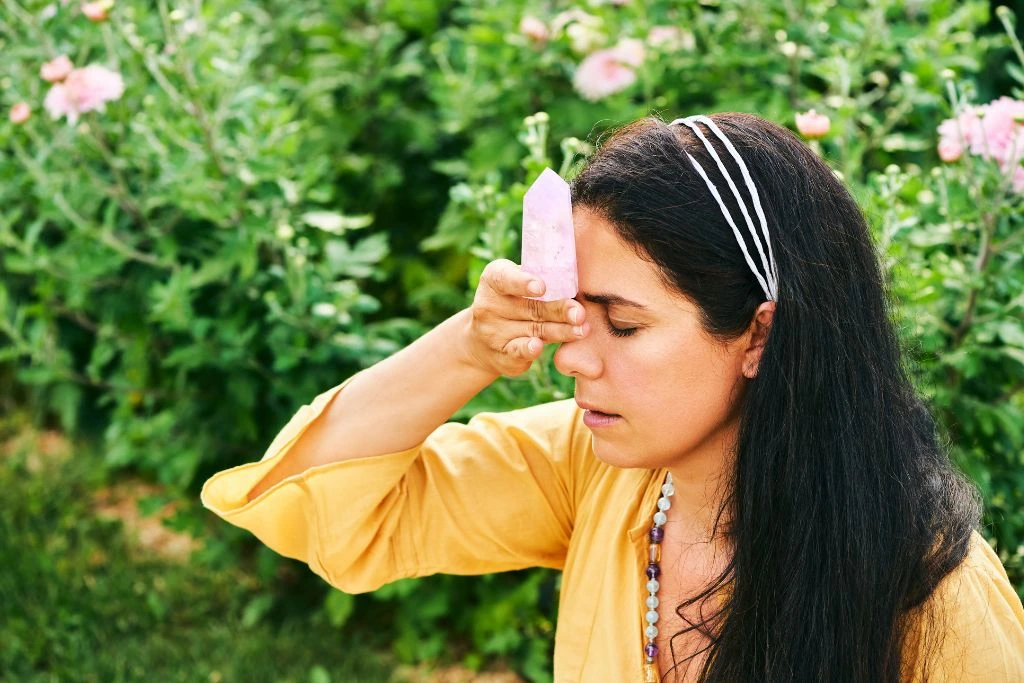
770,281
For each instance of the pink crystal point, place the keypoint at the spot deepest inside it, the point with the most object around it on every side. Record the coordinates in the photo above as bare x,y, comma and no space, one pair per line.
549,244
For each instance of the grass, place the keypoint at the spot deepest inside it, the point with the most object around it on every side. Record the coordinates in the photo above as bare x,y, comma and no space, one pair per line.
80,602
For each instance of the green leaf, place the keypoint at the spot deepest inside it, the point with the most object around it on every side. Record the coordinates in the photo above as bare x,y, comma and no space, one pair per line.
339,607
1012,332
318,674
1015,72
336,223
257,609
356,261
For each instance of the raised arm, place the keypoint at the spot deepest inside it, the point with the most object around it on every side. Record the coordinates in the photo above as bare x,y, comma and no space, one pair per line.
398,402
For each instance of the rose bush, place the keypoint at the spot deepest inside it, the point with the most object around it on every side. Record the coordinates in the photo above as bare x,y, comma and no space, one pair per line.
210,213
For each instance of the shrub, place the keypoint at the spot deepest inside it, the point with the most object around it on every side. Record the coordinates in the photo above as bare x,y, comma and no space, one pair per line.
284,193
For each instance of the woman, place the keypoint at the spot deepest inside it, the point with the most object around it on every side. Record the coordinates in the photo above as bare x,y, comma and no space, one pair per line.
746,487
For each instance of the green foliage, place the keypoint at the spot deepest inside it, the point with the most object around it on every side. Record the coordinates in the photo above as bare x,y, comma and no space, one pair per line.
511,615
288,192
182,269
79,602
953,241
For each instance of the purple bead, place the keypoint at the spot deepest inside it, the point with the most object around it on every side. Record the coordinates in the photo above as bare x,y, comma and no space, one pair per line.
653,570
651,650
657,534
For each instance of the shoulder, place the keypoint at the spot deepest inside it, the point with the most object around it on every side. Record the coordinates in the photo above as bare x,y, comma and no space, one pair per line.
976,622
979,591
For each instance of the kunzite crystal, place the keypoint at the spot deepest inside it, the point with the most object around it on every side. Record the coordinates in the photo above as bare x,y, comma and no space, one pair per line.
549,244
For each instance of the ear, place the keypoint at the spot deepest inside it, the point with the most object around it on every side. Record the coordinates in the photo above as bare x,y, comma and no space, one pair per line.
755,338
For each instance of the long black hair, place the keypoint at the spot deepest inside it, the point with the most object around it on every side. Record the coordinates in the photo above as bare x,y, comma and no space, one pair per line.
844,509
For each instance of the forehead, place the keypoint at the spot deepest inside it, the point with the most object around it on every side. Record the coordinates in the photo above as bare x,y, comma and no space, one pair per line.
609,266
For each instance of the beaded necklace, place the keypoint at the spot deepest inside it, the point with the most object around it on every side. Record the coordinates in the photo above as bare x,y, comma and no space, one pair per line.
653,571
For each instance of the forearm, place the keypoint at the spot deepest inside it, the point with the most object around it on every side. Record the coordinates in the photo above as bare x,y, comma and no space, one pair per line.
392,405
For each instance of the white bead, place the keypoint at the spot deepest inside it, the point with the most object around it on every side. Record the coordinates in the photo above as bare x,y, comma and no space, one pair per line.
660,518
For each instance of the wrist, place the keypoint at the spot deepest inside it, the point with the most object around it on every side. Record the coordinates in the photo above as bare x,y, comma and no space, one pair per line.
463,344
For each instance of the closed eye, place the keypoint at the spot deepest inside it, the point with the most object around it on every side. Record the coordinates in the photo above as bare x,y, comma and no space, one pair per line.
621,331
614,331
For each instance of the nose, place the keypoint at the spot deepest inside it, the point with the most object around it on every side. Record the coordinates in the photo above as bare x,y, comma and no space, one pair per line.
580,358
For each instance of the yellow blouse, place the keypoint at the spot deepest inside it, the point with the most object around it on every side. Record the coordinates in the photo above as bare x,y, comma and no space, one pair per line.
524,489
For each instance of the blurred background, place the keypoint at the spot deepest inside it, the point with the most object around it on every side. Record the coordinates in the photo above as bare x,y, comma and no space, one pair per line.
210,212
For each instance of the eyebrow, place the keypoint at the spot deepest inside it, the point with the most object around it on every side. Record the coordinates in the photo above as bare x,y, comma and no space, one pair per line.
612,300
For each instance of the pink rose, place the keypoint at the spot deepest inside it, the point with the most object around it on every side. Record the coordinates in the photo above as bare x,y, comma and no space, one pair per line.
813,125
56,70
630,51
965,130
534,29
1004,133
993,131
85,89
950,150
20,112
97,11
608,71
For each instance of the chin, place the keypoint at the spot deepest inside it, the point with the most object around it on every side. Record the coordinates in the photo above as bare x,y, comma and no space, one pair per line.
617,456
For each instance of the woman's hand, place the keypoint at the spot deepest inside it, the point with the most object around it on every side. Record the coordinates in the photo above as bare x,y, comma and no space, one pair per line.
507,331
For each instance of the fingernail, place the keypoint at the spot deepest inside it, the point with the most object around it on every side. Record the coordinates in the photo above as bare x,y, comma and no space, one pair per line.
578,330
574,315
535,287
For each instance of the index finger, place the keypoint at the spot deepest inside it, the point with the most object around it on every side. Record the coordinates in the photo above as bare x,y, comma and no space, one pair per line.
506,277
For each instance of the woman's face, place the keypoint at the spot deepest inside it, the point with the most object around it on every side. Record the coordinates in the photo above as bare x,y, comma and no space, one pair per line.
674,389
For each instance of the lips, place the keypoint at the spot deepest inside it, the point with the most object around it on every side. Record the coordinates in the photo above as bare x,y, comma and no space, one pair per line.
596,420
595,409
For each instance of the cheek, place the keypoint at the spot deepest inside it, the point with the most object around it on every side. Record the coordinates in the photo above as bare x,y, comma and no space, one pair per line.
680,393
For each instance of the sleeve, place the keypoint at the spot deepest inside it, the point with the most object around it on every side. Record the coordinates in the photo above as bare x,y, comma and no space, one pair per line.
981,623
492,495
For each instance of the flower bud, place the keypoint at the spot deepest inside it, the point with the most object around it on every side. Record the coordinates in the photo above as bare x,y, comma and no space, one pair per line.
97,11
56,70
534,29
20,113
813,125
950,150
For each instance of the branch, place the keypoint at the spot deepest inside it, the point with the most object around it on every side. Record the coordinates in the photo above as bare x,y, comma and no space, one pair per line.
987,228
81,223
